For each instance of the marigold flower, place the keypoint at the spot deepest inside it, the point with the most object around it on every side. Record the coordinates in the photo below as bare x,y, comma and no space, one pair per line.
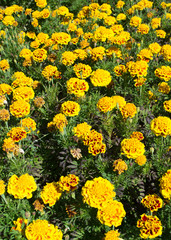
166,52
41,3
121,16
45,13
70,108
39,55
143,29
165,184
152,201
50,193
81,130
161,126
38,205
132,148
5,89
111,214
112,235
60,121
160,33
155,23
39,102
105,104
81,54
96,148
4,65
8,20
119,70
21,187
92,137
26,53
164,87
17,133
120,4
4,115
28,124
100,78
167,106
68,183
164,73
129,110
77,87
151,226
141,160
23,93
139,81
135,21
145,55
137,135
3,100
19,225
82,71
42,229
155,48
9,145
20,108
51,71
97,53
61,38
68,58
118,101
2,187
120,166
98,192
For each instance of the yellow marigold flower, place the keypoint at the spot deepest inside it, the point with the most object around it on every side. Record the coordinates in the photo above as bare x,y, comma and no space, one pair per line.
17,133
102,34
145,55
60,121
111,214
82,70
41,3
151,226
25,53
141,160
70,108
138,68
120,166
137,135
152,201
112,235
51,71
105,104
109,20
117,28
42,37
23,93
81,130
35,22
166,52
5,89
61,38
62,11
105,8
2,187
139,81
97,53
42,229
19,225
122,38
4,65
21,187
120,4
22,81
68,182
31,35
160,33
20,108
4,115
129,110
92,137
119,101
165,184
77,87
155,23
28,124
135,21
168,16
121,16
100,78
50,193
74,40
164,87
98,192
96,148
2,33
155,48
161,126
8,20
143,29
39,55
39,102
152,96
164,73
81,54
68,58
36,84
119,70
167,106
28,11
9,145
45,13
132,148
114,51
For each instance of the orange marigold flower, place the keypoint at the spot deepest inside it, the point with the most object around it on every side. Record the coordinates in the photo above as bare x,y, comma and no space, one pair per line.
96,148
70,108
17,134
68,182
137,135
77,87
161,126
20,108
129,110
132,148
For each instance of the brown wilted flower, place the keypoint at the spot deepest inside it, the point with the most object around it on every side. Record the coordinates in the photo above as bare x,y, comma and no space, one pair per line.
120,166
38,205
39,102
76,153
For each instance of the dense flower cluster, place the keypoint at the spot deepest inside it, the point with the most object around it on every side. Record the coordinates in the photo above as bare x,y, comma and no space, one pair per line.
98,192
21,187
151,227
